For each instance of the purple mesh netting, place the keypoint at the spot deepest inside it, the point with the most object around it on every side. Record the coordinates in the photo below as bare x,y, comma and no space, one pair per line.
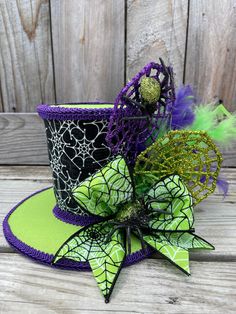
129,135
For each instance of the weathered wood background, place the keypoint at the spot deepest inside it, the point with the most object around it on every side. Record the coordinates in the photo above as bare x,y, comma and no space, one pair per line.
69,50
77,50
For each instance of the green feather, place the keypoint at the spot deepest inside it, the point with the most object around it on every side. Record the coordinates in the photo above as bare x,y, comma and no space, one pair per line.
225,131
216,121
204,118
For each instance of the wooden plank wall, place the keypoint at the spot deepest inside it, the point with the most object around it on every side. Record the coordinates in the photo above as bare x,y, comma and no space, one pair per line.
26,66
156,28
68,50
211,50
88,49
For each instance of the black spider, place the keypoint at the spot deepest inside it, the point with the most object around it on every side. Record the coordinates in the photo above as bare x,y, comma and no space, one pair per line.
134,217
148,108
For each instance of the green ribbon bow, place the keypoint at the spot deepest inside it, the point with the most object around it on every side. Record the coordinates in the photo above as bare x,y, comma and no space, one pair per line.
162,218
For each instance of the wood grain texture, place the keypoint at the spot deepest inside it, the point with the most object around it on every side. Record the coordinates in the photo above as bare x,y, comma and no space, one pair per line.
215,218
1,107
22,139
229,156
25,55
88,42
152,286
32,173
156,28
211,57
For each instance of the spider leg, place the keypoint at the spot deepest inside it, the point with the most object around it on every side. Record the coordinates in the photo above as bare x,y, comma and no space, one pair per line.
136,118
141,117
165,68
162,102
114,223
162,62
157,200
165,81
110,234
128,236
140,235
162,211
132,101
166,89
158,209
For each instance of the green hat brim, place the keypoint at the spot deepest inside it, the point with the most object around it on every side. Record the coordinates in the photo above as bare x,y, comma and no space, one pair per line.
32,228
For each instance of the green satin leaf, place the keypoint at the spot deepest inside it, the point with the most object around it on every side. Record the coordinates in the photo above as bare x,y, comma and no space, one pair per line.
103,191
171,196
186,240
105,258
175,254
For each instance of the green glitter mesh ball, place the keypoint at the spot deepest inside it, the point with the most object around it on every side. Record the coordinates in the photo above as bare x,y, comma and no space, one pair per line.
150,90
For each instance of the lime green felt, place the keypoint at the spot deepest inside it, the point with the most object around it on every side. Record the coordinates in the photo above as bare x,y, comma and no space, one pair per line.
34,224
85,106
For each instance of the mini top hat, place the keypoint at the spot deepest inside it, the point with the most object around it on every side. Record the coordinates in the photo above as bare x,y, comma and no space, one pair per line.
77,148
126,179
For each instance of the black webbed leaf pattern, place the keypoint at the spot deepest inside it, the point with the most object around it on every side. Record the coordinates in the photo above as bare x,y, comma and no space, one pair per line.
170,195
105,257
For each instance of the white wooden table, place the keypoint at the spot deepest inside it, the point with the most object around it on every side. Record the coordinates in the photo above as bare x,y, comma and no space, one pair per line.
151,286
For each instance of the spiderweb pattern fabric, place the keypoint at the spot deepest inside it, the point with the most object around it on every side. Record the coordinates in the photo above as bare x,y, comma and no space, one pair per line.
105,257
176,254
186,240
171,196
104,244
129,135
76,150
190,154
101,193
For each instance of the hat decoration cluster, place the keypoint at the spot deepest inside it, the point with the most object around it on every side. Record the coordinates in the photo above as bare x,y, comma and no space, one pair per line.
165,161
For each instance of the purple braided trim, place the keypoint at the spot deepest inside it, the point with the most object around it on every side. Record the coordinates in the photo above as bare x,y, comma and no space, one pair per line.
51,112
46,258
74,219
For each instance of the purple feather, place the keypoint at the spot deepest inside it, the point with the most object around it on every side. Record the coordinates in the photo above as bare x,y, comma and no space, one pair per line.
182,112
223,186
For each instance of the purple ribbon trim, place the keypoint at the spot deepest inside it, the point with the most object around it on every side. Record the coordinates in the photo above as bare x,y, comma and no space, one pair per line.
50,112
45,258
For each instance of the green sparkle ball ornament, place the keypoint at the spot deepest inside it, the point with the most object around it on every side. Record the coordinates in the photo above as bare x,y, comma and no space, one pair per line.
150,90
